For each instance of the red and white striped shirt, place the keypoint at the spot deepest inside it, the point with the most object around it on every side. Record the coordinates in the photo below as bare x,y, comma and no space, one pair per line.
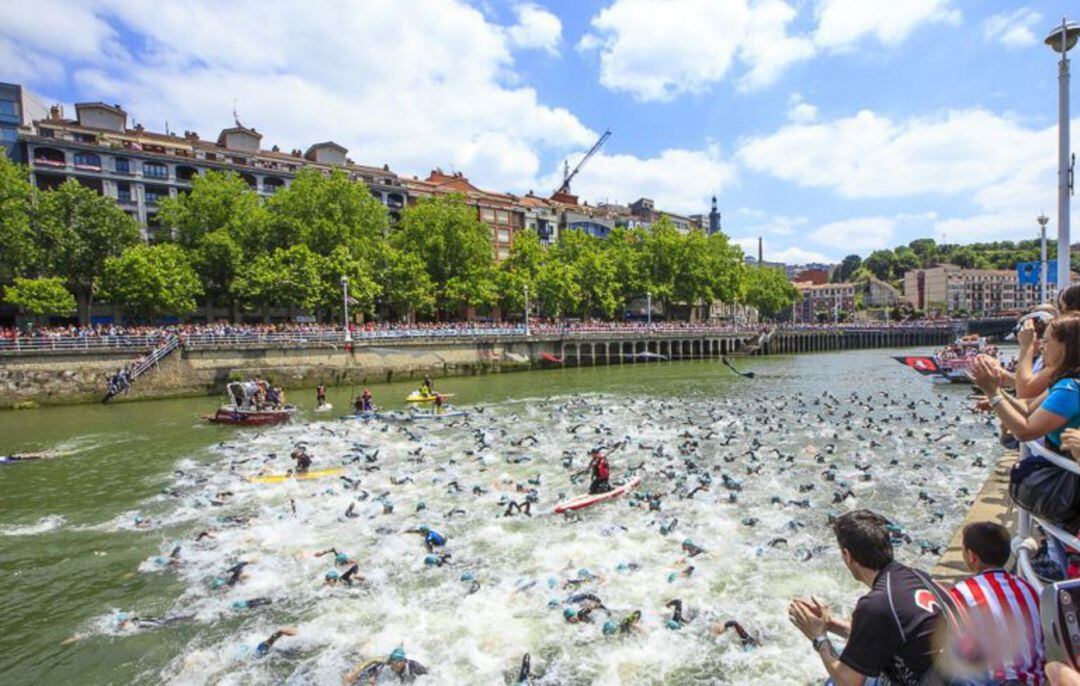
1001,615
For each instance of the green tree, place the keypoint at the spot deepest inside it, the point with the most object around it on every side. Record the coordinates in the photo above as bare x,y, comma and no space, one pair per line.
926,249
152,280
19,249
326,212
696,271
41,296
729,269
592,274
217,201
847,268
624,250
82,230
455,249
558,290
882,264
661,252
520,270
769,290
906,260
406,287
288,277
363,287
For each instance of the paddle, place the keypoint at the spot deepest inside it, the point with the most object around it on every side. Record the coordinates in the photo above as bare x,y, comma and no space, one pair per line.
745,375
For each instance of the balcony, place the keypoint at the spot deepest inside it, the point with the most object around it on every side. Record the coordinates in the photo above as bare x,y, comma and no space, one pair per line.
46,162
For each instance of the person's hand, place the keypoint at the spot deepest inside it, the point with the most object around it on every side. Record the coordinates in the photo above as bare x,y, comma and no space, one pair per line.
982,404
807,618
1070,440
1062,675
1026,335
985,376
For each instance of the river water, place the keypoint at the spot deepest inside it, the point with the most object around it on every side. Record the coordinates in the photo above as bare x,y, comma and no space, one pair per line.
72,557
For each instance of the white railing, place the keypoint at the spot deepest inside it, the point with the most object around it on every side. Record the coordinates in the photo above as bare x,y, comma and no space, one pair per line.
1025,520
77,343
153,358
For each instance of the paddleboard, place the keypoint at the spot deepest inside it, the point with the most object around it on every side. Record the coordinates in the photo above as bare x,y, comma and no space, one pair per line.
279,478
587,500
325,407
440,415
415,397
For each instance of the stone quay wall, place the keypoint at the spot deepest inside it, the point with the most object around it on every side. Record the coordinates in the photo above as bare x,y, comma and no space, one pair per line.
51,378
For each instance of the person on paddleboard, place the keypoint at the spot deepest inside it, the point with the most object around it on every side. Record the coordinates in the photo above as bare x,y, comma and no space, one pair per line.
303,460
320,395
601,471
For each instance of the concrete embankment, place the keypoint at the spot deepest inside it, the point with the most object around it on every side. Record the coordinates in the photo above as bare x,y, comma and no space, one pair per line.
56,377
992,504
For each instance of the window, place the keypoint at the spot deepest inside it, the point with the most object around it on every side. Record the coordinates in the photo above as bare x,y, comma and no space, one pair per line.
487,215
87,160
502,217
504,235
9,108
123,192
123,165
8,134
85,138
155,193
155,170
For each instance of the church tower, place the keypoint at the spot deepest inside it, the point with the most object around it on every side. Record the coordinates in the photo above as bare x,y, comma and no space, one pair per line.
714,218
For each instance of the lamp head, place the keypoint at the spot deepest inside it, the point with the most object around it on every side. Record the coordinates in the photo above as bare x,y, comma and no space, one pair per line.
1072,33
344,281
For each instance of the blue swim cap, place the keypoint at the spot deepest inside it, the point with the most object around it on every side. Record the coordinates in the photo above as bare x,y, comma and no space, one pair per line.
217,583
583,574
688,542
553,603
431,560
673,625
621,567
424,530
421,506
552,582
398,655
239,605
332,575
121,617
569,613
468,576
341,558
138,519
671,577
609,627
159,560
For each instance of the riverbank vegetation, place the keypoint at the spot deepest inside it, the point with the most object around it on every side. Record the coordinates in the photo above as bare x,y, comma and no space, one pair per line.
230,248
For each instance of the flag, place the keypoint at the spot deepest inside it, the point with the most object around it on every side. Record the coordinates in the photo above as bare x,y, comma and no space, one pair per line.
923,365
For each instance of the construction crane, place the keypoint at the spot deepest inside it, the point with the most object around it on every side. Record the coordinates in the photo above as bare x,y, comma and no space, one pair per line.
568,175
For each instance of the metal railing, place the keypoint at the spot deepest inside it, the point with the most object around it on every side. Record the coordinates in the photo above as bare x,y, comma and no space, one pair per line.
128,342
154,357
1025,522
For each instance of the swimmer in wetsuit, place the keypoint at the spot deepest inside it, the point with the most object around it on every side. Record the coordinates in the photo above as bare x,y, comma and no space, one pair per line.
332,577
747,639
432,539
395,668
263,649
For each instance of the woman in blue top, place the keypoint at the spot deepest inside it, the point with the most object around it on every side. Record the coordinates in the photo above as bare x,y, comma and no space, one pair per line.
1056,409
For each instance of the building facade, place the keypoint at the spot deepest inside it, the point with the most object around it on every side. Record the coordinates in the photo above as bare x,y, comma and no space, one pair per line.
950,289
139,168
823,301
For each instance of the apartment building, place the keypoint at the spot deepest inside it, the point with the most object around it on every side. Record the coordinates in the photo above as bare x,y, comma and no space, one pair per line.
950,288
139,168
823,301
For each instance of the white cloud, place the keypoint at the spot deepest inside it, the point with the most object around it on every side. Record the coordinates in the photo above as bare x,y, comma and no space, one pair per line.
659,49
857,234
415,83
842,24
872,156
679,180
536,29
800,111
1012,29
789,255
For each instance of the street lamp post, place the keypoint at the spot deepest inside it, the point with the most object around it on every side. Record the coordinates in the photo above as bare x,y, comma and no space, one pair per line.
1042,219
648,306
345,301
526,309
1061,40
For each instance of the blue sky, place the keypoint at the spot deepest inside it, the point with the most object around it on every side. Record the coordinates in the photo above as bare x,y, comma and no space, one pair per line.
827,126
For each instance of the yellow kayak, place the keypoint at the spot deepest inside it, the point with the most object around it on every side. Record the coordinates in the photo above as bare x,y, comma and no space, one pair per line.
278,478
417,397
